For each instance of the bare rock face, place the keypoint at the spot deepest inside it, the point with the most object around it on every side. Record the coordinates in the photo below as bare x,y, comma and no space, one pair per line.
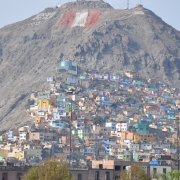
107,39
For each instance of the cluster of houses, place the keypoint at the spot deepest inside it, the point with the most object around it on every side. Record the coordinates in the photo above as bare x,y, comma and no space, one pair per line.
111,118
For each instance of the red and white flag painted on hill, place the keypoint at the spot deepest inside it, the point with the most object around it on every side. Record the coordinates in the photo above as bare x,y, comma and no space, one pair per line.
81,19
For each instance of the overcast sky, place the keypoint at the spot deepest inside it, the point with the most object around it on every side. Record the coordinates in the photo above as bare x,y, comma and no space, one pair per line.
16,10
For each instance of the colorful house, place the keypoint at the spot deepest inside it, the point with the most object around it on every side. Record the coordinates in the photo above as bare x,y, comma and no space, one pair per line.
144,138
142,127
127,135
69,66
72,80
141,156
112,125
127,156
57,124
138,82
81,133
44,104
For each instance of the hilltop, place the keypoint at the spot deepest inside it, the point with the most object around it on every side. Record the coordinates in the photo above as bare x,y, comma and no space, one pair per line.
93,34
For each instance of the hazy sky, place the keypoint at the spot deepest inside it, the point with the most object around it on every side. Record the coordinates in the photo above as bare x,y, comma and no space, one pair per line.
15,10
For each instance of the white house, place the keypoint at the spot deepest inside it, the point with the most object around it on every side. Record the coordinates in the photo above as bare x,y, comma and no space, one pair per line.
161,146
111,125
134,147
146,146
50,79
122,126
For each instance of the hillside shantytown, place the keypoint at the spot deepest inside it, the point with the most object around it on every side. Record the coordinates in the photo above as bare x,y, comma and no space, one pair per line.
123,119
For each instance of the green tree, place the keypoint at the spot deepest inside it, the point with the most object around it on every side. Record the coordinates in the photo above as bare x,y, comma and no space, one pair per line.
30,102
135,172
50,169
98,120
170,175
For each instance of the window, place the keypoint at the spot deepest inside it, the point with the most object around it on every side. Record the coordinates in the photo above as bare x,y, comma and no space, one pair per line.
107,175
97,175
4,176
79,177
154,170
164,170
19,175
117,168
100,166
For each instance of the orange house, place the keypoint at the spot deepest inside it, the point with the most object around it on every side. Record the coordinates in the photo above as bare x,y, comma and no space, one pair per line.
45,103
127,135
37,120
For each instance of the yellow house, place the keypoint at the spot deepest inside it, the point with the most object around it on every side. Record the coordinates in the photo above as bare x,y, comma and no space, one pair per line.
81,103
129,74
19,155
3,153
91,95
144,138
45,103
121,142
132,90
38,120
97,100
173,106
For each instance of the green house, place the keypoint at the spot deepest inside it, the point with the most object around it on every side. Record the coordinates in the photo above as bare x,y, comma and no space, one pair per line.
142,126
68,107
127,156
81,133
141,156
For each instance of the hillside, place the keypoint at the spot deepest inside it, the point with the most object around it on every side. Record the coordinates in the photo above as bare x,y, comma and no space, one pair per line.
91,33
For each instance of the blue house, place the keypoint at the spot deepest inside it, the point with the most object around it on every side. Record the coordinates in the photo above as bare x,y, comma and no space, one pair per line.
61,111
172,116
152,88
57,149
105,101
57,115
57,124
72,80
146,119
61,101
127,80
106,141
138,82
69,66
107,148
142,126
10,135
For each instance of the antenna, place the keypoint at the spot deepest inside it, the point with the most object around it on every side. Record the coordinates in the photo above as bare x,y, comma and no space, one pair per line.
127,4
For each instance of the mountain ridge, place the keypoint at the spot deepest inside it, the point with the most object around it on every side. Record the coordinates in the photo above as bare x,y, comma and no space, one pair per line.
92,33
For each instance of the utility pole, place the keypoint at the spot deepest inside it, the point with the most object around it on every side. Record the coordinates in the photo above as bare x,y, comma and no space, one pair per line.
127,4
70,129
177,119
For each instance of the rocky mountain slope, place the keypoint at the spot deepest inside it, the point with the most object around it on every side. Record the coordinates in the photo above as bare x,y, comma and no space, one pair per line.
91,33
